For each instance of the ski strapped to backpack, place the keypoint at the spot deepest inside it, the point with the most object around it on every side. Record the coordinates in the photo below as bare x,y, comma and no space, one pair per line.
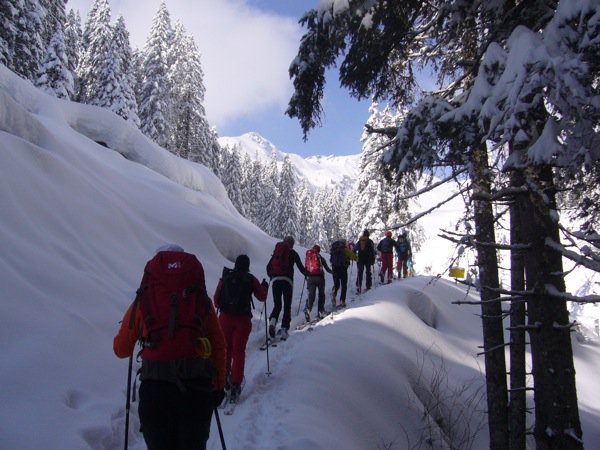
280,263
236,292
313,262
172,301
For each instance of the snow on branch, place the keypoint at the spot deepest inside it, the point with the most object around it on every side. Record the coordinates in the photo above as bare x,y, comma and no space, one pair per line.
554,292
589,263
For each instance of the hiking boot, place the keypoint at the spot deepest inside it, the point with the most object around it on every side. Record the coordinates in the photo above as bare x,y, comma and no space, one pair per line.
322,314
283,334
343,303
307,314
272,324
333,295
236,390
358,289
381,278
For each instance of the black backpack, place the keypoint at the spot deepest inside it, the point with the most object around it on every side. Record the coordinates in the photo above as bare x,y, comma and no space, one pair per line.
236,293
338,256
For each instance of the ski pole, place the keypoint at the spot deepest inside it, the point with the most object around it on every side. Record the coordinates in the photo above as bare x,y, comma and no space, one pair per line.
301,293
267,339
128,401
220,428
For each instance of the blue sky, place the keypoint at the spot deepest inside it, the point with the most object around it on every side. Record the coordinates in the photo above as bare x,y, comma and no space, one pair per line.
246,48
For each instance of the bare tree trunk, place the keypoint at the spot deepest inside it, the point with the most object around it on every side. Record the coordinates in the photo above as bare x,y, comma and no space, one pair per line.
491,311
518,393
557,424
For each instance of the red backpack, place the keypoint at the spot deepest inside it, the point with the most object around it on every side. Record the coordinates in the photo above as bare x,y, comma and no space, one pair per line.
313,262
172,299
279,265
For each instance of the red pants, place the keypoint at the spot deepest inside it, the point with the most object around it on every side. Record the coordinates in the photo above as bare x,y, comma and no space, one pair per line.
402,266
387,265
236,330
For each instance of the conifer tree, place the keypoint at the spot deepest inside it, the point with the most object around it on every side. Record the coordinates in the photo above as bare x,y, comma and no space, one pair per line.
24,37
115,76
305,212
96,40
54,76
155,95
73,40
232,177
191,136
287,213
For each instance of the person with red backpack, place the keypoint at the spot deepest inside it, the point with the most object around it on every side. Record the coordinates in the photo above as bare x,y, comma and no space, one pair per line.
281,272
183,351
233,300
315,264
386,250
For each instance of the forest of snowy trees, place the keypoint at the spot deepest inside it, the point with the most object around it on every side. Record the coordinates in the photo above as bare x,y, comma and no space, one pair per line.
513,123
160,89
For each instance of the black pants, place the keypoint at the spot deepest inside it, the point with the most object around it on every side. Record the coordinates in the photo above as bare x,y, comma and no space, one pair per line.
282,288
315,284
360,267
340,280
174,420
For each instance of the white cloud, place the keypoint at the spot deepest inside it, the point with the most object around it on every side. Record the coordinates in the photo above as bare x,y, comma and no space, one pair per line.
245,52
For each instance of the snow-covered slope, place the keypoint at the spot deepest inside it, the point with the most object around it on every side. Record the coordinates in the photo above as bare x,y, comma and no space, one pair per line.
78,220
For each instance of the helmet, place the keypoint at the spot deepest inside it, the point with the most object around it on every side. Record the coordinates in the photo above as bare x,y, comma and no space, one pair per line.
388,233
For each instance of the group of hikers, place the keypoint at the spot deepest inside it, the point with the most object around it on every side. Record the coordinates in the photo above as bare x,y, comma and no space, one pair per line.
193,358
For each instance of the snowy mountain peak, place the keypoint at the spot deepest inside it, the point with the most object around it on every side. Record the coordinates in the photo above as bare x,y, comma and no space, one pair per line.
319,171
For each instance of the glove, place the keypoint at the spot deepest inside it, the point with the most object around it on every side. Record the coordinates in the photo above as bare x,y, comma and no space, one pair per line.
218,396
264,284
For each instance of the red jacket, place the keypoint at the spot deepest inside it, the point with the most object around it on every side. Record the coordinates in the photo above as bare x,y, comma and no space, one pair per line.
124,341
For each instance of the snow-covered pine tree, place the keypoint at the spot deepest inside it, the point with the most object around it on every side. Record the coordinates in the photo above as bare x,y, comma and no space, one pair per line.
54,76
305,212
373,205
268,212
286,219
54,19
97,36
8,32
231,176
191,136
155,105
24,37
114,76
250,188
73,41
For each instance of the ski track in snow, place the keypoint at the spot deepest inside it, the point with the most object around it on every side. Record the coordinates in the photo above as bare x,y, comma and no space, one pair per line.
259,400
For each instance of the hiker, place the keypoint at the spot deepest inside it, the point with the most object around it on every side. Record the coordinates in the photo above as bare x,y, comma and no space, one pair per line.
341,257
281,271
403,253
365,249
233,299
183,360
386,250
315,264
